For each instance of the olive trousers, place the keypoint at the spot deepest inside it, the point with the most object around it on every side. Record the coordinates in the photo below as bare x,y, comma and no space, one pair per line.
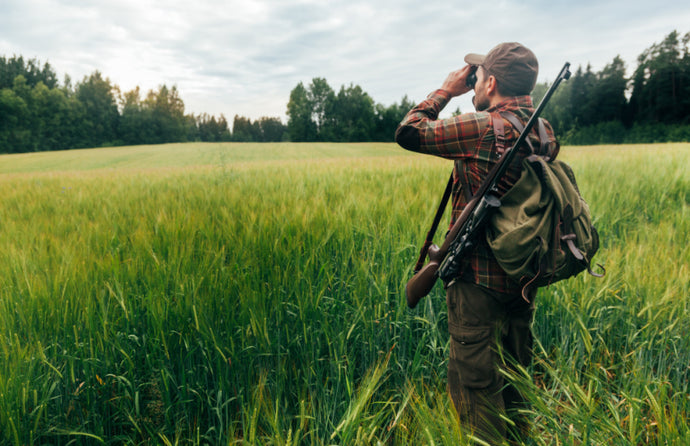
489,331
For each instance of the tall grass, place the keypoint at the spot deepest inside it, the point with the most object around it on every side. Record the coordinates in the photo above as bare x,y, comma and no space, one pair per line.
230,300
615,353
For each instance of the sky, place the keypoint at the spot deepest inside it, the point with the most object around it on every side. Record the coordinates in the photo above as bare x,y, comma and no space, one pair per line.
243,57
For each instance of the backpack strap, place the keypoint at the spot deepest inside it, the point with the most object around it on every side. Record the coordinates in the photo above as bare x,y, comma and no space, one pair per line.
543,136
569,238
544,142
499,132
460,172
510,117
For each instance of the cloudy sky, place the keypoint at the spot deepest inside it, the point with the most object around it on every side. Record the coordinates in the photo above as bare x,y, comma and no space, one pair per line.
245,56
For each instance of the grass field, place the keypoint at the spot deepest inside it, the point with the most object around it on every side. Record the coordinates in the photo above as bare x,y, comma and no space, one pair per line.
254,294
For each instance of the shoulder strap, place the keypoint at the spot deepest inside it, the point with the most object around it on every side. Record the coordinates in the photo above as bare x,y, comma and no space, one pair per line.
499,133
543,136
543,139
460,172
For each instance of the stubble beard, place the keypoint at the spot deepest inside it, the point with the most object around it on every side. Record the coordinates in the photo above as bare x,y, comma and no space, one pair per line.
480,104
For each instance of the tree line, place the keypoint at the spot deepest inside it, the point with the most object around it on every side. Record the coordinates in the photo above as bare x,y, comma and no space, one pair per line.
317,113
604,107
37,113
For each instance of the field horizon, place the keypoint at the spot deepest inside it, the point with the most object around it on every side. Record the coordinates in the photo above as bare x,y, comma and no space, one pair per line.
239,293
180,155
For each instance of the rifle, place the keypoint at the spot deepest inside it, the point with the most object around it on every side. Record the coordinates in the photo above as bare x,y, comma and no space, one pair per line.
444,262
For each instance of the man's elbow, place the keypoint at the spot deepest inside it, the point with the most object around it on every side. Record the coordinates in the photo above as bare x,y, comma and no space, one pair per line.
407,137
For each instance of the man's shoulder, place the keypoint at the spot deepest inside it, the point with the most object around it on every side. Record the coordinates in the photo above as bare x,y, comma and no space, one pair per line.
478,117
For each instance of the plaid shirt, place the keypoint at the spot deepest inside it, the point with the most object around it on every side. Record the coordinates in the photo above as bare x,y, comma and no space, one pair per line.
469,140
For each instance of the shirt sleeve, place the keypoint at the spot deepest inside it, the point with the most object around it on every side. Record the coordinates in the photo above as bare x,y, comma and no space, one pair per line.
454,138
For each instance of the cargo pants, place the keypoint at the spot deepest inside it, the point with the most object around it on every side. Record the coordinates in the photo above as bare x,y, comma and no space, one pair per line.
488,331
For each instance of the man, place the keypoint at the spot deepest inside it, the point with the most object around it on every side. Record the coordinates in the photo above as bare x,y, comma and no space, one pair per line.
488,320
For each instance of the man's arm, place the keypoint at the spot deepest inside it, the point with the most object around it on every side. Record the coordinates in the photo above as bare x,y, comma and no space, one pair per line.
409,131
421,131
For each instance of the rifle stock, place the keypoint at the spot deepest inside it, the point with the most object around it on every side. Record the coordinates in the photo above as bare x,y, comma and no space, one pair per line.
423,280
472,215
421,283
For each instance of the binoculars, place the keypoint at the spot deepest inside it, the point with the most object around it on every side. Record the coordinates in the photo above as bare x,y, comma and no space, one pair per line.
472,78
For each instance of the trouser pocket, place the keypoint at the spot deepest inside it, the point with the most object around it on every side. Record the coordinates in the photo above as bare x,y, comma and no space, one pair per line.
473,358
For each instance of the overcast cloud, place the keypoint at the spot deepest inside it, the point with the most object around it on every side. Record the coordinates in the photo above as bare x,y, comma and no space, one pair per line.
244,57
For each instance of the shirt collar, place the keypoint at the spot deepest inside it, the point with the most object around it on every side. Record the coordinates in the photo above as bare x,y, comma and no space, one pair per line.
512,103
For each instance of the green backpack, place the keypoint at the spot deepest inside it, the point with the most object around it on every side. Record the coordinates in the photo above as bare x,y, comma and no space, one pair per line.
542,232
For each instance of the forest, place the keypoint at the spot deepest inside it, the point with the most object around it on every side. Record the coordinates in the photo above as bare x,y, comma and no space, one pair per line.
37,112
606,107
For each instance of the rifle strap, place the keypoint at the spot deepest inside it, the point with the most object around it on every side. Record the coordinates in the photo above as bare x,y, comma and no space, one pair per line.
434,225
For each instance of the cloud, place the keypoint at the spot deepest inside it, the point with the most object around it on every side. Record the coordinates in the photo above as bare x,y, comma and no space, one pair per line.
244,57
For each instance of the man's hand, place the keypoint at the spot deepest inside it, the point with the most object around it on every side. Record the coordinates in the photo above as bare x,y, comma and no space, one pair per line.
456,82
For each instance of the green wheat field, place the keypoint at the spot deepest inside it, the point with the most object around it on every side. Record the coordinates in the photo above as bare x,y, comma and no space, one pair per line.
253,294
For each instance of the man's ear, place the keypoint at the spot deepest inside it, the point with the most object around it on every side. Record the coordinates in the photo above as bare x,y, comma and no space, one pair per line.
491,86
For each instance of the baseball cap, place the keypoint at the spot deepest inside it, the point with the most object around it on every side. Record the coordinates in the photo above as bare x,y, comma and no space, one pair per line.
512,64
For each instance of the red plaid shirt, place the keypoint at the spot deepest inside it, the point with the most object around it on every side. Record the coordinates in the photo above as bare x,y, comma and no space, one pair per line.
469,140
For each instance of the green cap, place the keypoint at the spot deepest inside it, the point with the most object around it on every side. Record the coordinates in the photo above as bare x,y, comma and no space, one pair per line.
514,66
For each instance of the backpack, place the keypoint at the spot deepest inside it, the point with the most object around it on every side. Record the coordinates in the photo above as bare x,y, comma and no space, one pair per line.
542,232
